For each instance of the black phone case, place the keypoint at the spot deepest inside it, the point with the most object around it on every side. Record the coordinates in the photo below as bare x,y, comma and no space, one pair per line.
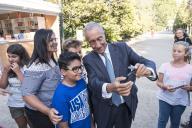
130,77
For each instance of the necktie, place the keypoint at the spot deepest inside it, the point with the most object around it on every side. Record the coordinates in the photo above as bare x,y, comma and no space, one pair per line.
116,99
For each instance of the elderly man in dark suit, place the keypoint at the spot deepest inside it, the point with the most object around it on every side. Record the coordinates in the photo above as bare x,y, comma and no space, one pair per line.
113,102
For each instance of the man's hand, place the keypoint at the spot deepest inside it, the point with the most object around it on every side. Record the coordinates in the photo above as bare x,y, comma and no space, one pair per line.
141,70
55,119
122,89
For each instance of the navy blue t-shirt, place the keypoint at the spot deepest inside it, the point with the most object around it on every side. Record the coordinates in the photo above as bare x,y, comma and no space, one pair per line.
72,103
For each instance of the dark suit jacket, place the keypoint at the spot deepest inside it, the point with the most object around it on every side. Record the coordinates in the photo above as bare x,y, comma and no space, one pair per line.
122,56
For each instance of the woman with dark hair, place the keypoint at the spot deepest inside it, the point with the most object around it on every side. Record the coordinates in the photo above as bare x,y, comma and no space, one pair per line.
40,79
181,35
12,76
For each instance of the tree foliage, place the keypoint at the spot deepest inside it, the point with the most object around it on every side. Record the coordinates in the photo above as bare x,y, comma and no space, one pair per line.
184,16
117,17
121,19
164,11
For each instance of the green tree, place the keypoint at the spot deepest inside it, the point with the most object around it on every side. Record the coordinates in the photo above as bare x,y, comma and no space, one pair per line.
145,14
117,17
124,13
164,10
78,12
184,17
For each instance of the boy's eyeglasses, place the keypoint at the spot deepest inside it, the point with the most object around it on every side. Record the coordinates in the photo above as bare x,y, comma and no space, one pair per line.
76,69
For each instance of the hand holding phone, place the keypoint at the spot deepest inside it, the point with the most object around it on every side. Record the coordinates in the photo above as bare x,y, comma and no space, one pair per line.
181,86
130,77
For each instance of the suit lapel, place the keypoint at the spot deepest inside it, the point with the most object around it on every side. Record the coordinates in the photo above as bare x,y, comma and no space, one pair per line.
114,58
101,65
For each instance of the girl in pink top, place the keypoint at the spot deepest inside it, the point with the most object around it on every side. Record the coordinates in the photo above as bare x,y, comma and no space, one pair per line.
174,83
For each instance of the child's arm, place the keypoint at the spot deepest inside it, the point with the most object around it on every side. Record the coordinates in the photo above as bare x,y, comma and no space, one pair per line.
4,77
187,87
162,85
63,125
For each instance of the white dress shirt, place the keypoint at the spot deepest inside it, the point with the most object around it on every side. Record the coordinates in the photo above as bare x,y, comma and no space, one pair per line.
105,94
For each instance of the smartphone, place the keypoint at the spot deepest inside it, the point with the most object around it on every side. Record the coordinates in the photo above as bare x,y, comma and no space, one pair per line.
130,77
179,86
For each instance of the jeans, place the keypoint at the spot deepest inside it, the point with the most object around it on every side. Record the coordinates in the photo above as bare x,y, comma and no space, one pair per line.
173,111
190,121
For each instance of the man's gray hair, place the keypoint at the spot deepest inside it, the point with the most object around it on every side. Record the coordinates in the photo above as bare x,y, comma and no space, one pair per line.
92,25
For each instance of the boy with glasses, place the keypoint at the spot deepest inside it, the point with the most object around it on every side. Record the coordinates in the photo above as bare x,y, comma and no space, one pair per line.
70,45
71,97
73,45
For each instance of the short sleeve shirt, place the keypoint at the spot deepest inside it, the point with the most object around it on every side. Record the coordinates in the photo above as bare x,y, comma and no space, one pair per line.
175,77
41,80
72,103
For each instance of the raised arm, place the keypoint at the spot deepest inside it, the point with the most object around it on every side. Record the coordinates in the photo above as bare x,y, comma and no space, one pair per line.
144,66
4,76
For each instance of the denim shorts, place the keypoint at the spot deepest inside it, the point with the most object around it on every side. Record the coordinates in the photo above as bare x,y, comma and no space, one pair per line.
17,112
